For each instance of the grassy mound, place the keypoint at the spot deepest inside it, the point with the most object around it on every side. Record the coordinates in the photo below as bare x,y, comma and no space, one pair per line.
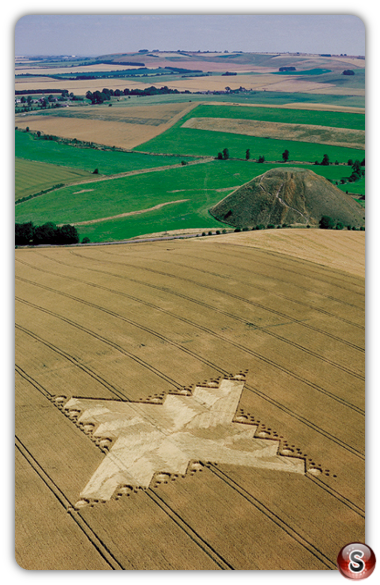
289,196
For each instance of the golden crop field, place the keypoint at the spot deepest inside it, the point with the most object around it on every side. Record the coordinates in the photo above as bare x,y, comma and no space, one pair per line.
251,345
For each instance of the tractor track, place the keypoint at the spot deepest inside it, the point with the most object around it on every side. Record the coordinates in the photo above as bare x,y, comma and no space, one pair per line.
221,370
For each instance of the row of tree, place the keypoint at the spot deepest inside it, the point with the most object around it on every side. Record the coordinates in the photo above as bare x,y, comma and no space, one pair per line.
358,168
98,97
27,234
327,223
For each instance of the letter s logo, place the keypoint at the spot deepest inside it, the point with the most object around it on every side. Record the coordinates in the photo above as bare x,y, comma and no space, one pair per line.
356,565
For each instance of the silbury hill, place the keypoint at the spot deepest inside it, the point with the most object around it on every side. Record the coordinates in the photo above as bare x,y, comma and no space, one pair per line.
287,196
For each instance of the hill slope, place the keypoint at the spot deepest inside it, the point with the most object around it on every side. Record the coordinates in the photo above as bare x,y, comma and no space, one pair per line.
290,196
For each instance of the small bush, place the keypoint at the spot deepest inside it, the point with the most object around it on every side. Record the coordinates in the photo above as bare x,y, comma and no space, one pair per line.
339,226
224,231
183,163
237,230
86,240
270,226
362,228
95,172
308,225
353,227
260,227
210,233
245,229
348,227
217,232
203,233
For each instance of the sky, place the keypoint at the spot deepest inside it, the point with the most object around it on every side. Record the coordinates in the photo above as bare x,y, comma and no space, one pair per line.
99,34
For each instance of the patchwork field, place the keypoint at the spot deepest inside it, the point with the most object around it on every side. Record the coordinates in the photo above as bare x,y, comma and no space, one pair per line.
252,82
121,127
151,321
298,132
264,131
33,177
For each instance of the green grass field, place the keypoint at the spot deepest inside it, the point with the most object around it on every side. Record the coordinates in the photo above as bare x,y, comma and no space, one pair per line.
289,116
202,185
115,196
190,141
87,159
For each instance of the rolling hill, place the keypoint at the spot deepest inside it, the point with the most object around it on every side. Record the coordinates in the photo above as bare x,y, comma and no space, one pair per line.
292,196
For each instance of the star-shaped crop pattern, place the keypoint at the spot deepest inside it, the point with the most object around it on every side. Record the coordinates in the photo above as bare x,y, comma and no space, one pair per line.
142,440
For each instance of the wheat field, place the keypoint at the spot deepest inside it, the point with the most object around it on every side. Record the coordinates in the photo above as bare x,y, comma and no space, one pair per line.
137,323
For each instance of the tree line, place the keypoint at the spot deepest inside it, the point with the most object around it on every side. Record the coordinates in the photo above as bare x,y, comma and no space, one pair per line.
27,234
98,97
358,167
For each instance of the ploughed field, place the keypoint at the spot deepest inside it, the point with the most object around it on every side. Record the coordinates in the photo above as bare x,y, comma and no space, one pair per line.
137,322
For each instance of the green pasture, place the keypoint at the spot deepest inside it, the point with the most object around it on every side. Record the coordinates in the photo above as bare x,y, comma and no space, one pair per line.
282,115
358,187
315,71
252,97
202,185
177,217
190,141
32,176
107,198
87,159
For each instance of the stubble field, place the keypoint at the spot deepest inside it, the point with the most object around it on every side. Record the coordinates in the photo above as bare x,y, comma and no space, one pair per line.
137,321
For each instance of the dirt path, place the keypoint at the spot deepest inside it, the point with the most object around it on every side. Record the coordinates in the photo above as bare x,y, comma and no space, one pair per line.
286,205
142,171
128,213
